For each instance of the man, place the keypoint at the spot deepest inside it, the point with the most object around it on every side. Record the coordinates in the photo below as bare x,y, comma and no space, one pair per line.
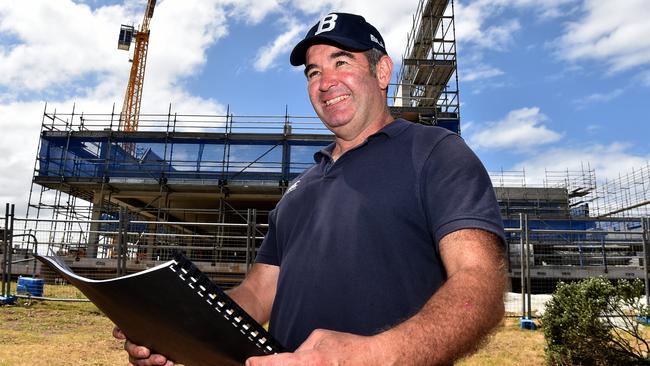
388,251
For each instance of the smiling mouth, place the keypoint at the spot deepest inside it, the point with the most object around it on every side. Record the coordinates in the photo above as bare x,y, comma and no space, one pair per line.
336,100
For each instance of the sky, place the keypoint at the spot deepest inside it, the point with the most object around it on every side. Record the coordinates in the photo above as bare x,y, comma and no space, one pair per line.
545,85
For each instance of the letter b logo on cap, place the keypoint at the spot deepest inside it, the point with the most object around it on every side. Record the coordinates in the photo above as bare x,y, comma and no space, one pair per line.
326,24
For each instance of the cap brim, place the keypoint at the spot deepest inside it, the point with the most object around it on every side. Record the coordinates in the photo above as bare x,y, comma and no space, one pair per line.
299,54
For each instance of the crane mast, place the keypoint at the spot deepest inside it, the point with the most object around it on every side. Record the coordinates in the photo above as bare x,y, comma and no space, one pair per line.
133,96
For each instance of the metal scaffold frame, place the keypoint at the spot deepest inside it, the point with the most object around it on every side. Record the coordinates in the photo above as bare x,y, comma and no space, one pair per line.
626,196
181,169
160,134
555,195
427,90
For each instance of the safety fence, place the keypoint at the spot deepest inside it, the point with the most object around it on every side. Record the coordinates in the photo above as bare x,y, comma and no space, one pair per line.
540,253
543,252
120,246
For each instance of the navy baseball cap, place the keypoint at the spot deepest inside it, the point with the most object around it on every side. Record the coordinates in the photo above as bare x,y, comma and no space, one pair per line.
348,31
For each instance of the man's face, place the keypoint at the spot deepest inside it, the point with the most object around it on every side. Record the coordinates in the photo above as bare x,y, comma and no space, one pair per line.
343,92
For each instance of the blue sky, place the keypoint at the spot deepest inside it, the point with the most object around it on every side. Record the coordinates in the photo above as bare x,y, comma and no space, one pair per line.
544,84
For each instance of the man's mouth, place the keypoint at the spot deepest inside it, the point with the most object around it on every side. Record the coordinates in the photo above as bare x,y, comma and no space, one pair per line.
336,100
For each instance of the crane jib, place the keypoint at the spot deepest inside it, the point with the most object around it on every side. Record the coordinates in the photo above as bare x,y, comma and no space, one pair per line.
150,6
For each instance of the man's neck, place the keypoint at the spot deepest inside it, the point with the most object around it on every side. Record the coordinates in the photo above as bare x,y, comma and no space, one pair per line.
344,145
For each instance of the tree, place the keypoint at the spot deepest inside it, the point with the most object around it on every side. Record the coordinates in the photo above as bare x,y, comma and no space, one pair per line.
592,322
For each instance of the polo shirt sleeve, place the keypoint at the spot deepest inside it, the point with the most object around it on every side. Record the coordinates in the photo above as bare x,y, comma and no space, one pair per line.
457,191
268,253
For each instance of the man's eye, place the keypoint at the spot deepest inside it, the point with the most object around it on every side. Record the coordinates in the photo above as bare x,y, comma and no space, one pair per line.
340,63
312,74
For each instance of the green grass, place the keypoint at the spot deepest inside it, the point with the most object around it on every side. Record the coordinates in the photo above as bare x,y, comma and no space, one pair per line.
56,333
509,345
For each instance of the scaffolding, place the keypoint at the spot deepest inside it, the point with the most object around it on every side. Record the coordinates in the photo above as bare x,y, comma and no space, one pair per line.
556,195
427,91
203,184
626,196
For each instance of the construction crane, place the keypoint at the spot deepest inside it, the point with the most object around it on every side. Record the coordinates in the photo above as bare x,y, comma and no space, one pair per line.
133,97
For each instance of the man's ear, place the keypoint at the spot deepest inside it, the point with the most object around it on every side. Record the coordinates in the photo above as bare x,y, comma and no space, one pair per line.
384,71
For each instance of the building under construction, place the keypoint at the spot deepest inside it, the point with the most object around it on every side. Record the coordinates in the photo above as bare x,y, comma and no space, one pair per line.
114,200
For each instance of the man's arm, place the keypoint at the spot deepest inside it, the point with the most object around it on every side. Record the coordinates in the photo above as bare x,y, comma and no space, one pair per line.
255,295
257,292
450,324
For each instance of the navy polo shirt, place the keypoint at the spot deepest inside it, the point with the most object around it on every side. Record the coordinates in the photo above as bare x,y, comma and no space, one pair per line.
356,240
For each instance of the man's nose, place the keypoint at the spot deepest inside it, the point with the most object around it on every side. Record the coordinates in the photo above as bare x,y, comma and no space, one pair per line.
327,80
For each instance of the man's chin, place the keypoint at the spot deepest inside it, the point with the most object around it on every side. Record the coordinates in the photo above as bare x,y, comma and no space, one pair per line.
334,122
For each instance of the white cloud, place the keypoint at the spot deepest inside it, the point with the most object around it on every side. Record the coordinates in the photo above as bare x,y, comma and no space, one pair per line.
55,45
20,123
285,41
501,36
612,32
481,27
645,78
548,9
181,32
607,160
471,26
474,26
74,48
480,72
599,98
254,11
593,128
521,129
311,7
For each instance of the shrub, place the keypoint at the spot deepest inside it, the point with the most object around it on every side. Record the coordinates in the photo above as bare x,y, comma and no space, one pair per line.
591,323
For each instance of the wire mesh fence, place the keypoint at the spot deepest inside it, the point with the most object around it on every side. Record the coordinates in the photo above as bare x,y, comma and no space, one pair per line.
100,249
541,253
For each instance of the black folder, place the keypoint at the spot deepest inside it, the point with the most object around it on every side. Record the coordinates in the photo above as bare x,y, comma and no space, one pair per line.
175,310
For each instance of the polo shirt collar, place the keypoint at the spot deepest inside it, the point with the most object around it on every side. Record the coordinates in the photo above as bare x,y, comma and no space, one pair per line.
394,128
325,152
390,130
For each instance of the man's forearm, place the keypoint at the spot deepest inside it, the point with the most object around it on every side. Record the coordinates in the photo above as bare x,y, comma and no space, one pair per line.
249,302
256,293
451,324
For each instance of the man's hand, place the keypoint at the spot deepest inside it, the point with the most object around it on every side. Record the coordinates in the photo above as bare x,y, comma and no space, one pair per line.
138,355
326,347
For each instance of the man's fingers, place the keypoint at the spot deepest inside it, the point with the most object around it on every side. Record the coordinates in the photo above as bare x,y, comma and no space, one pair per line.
139,355
272,360
117,333
315,338
135,350
154,360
